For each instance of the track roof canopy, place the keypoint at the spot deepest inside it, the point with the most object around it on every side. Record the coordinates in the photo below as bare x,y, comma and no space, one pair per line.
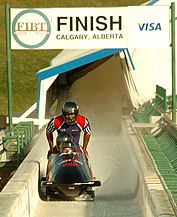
70,59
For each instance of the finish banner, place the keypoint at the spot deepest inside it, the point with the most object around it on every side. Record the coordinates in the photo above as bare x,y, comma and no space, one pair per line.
90,28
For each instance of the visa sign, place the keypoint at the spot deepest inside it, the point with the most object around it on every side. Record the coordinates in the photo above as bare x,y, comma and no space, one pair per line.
149,26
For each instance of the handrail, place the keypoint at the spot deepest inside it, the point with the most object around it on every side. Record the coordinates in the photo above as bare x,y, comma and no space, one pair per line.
14,143
161,141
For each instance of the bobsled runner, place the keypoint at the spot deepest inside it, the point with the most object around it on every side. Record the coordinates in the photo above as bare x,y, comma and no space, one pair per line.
69,176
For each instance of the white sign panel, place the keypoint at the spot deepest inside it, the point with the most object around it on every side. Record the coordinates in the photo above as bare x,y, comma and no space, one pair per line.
148,26
89,28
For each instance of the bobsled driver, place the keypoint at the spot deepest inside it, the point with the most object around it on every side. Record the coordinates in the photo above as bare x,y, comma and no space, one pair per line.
71,122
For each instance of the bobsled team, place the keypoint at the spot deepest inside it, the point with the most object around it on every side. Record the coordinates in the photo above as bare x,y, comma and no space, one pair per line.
69,175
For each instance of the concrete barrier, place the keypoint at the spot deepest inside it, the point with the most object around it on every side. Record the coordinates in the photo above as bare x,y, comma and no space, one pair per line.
20,196
21,191
10,205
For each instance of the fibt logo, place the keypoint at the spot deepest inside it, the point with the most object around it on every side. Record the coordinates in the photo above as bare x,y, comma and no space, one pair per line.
31,28
149,26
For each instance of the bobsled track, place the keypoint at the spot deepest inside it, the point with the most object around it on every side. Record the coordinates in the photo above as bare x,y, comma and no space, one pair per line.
130,184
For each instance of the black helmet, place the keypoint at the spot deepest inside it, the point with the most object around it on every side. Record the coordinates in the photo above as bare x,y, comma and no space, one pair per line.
64,137
70,108
67,145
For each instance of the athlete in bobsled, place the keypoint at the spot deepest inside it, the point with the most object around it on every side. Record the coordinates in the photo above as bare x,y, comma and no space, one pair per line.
69,175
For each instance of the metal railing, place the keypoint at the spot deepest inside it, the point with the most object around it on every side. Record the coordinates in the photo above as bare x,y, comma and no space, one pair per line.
161,141
157,106
14,143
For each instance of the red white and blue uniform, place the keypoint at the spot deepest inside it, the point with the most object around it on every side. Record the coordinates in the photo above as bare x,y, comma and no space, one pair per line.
58,123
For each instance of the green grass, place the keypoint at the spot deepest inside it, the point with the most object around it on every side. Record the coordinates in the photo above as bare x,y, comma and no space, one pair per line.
26,63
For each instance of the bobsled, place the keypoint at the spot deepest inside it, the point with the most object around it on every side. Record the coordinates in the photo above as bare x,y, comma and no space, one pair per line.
69,176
